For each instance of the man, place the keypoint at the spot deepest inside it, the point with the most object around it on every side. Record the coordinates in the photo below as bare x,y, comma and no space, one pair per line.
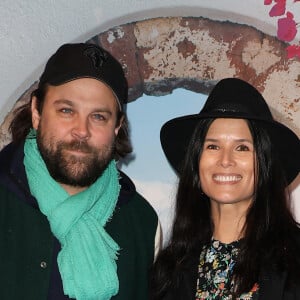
71,225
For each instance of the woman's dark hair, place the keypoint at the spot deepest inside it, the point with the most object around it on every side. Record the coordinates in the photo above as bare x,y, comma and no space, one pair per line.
269,238
21,123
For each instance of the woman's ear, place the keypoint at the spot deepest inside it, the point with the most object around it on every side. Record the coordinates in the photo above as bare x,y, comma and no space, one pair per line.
35,115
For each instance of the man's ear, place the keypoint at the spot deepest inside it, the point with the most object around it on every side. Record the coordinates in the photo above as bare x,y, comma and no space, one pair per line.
119,125
35,115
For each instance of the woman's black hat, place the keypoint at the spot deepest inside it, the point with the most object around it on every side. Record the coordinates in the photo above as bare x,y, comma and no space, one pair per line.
232,98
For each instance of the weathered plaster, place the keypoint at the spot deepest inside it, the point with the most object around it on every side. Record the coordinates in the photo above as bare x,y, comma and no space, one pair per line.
260,56
161,54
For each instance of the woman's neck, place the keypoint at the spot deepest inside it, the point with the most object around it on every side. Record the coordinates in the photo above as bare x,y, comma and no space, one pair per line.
229,222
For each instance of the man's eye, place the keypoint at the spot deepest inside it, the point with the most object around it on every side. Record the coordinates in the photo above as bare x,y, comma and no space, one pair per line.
66,110
98,117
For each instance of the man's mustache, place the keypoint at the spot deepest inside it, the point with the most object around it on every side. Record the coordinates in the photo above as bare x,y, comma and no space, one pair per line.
82,146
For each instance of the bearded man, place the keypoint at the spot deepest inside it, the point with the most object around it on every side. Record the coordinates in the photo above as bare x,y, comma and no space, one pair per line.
72,226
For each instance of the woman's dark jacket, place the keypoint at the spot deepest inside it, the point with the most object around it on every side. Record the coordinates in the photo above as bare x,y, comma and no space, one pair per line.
28,249
273,286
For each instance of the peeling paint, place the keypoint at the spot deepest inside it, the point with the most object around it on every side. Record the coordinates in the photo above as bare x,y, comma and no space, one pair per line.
150,32
168,58
260,56
282,92
118,33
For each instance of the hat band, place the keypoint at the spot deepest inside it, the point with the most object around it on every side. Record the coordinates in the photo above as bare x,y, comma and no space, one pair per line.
238,110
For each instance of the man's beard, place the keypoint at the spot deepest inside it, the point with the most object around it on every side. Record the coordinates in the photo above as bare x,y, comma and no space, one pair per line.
65,168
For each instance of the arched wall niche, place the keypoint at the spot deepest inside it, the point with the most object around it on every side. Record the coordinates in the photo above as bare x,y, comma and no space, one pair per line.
162,54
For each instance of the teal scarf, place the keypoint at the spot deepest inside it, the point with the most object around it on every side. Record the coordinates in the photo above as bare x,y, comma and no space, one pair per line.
87,260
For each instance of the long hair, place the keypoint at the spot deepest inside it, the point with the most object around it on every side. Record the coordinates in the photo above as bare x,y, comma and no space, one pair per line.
269,229
21,123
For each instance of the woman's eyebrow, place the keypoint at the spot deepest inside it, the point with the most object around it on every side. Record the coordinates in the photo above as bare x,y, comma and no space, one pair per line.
236,140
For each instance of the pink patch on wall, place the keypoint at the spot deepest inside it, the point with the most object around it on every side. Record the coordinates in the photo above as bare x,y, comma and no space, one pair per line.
293,51
287,28
278,9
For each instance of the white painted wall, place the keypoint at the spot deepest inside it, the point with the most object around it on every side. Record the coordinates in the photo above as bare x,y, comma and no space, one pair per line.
30,31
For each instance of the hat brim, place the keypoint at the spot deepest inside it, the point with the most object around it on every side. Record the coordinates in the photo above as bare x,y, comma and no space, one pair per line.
62,79
176,134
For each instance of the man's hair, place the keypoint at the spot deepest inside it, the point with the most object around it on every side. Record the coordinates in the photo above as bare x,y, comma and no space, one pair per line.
22,123
269,229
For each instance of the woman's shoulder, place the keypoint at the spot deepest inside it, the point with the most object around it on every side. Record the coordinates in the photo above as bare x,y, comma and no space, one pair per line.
295,248
296,236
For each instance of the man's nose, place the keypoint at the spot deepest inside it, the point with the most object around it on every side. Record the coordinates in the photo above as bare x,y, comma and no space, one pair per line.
81,129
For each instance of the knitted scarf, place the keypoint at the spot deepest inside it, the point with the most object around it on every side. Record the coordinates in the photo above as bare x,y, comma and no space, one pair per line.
87,260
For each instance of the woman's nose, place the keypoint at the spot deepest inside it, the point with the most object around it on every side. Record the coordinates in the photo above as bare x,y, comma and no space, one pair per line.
226,159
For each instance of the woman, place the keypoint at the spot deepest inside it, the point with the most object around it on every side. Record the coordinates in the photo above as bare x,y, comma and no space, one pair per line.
233,235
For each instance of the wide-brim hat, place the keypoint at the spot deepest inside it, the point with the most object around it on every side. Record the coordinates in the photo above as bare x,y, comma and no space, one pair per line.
83,60
232,98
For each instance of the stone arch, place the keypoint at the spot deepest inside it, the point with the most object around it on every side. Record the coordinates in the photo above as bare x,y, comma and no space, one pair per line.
161,54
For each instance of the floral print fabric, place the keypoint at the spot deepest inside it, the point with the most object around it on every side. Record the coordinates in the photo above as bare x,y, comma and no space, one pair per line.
215,272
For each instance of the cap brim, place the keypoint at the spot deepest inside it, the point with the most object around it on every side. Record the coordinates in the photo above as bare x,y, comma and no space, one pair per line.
62,79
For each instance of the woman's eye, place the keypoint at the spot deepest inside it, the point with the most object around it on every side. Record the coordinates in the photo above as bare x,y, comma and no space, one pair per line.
243,148
212,147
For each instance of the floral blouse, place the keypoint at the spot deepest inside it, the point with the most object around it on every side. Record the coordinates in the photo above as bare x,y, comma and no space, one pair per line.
215,272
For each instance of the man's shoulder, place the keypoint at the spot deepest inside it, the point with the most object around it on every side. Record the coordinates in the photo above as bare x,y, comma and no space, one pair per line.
134,221
139,203
129,194
297,238
133,205
9,153
6,152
